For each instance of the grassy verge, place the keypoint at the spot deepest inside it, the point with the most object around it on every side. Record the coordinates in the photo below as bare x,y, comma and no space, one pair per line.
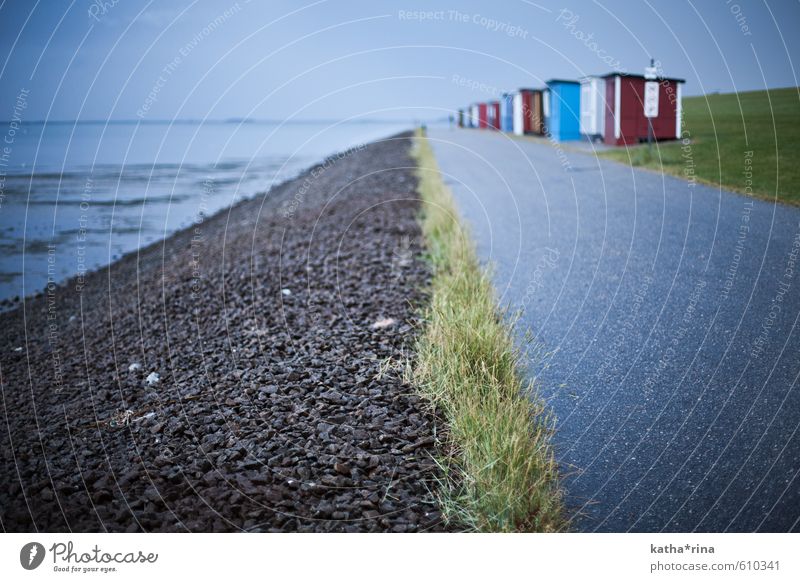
500,475
719,130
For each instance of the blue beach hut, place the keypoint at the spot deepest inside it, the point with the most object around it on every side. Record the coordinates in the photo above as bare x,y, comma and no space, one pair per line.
507,112
564,115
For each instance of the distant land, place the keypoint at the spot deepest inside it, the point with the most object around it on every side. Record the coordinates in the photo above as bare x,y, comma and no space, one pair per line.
222,121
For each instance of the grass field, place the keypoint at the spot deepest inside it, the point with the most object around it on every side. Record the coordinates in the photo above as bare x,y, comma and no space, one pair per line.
500,473
719,130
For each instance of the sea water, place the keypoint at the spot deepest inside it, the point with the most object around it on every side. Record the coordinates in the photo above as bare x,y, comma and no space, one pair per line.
77,196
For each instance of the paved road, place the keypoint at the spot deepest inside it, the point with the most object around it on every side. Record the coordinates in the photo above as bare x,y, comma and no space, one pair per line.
666,321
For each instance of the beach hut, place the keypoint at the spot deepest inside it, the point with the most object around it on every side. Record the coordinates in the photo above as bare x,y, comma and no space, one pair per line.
593,107
493,115
563,122
483,115
625,121
473,115
507,112
545,108
528,112
517,118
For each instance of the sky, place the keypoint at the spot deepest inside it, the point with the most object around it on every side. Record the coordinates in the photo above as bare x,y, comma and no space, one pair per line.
342,59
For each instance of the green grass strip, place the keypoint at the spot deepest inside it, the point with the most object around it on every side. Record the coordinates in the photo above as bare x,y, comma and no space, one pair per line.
745,142
500,474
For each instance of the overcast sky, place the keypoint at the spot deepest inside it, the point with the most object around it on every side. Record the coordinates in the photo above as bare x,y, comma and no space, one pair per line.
336,59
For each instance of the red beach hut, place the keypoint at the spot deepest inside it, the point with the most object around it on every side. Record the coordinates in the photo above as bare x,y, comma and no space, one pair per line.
528,113
483,115
493,115
625,121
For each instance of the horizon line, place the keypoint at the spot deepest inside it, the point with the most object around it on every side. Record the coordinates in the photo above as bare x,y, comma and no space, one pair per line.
230,120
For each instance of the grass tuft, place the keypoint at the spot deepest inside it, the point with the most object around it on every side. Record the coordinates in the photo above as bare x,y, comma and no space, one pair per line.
500,474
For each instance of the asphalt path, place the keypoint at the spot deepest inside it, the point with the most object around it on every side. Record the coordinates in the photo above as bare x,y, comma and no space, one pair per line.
665,317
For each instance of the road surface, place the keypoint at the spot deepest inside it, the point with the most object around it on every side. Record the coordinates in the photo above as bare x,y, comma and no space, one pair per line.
665,317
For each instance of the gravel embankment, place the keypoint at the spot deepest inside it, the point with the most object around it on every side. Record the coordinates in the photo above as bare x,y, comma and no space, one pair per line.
279,404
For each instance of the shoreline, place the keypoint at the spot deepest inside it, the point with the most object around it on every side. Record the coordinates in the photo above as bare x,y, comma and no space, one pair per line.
10,304
96,208
241,374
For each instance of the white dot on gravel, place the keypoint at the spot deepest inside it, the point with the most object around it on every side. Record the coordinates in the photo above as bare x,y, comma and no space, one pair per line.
381,323
286,292
152,378
134,367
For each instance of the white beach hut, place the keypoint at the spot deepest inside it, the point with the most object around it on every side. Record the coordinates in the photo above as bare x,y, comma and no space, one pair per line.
473,115
516,114
593,107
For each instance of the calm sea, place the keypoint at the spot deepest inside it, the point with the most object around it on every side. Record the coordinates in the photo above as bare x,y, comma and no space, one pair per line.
79,196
